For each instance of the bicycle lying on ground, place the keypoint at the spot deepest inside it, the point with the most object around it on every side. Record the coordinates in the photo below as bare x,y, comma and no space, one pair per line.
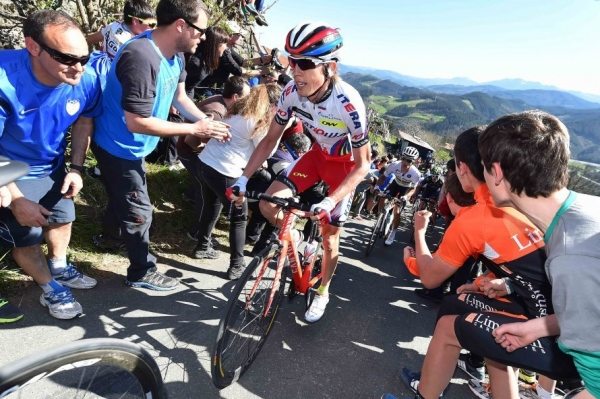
383,224
258,294
90,368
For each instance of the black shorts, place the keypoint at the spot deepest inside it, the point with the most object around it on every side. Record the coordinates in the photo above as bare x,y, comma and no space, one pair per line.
396,190
474,328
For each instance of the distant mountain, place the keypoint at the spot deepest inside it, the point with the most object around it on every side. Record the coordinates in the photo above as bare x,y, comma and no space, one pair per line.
534,97
405,80
416,109
534,93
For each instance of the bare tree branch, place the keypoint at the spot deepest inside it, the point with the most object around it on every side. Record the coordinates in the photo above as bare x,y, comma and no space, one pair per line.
12,16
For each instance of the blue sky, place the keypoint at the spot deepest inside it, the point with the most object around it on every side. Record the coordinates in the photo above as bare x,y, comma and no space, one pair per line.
554,42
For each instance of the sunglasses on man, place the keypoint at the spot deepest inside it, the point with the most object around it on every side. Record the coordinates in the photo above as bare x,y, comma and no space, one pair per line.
151,22
199,29
304,64
63,58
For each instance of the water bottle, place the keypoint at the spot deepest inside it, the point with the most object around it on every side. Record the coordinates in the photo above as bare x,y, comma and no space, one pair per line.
310,249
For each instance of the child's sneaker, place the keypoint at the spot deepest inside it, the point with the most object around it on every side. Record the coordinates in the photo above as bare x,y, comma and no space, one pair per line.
61,305
480,389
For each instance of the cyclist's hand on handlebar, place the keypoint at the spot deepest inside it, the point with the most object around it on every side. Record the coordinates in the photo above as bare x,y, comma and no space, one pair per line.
236,192
323,209
422,220
210,129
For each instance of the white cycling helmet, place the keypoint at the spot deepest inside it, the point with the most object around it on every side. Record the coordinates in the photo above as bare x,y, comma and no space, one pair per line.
410,153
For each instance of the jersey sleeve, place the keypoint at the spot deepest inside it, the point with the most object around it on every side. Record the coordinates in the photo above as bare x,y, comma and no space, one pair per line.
460,242
137,70
355,116
284,105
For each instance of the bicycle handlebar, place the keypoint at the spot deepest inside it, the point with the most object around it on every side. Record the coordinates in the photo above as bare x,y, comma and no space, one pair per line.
288,203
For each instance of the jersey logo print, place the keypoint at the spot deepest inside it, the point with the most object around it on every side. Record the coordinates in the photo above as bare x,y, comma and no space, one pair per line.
303,113
26,111
298,174
72,107
490,253
351,110
333,123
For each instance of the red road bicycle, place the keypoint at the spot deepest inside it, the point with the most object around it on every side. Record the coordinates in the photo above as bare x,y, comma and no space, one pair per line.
258,294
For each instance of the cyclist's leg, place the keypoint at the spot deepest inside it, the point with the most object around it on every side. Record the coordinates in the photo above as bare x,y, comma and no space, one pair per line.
331,246
298,177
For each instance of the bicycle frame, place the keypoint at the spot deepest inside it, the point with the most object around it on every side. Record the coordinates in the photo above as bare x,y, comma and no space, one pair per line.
286,249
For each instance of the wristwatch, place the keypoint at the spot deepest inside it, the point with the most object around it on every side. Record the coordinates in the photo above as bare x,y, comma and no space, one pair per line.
78,168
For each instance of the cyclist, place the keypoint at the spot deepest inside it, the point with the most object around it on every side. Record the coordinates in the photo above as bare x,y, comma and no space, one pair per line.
334,114
429,189
406,176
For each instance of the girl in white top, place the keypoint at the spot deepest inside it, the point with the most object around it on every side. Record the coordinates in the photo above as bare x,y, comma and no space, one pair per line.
221,163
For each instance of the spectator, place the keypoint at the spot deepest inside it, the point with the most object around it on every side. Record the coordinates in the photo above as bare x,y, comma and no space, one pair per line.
526,159
232,63
140,88
138,17
513,251
44,89
220,166
205,60
294,143
190,146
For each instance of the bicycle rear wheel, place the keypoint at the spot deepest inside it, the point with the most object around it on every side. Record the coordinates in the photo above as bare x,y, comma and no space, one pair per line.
90,368
249,318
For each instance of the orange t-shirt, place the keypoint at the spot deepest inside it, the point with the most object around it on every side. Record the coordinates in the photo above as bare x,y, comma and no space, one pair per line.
503,235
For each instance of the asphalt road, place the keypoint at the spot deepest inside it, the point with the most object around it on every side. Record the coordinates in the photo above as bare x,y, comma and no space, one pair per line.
374,326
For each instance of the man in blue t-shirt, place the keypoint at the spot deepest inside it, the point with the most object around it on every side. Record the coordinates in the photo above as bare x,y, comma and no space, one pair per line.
146,77
43,91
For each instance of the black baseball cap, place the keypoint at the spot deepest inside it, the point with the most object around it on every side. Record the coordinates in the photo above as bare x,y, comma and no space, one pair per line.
11,170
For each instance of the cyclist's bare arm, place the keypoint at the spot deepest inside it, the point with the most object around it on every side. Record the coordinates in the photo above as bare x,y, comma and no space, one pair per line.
264,148
362,160
512,336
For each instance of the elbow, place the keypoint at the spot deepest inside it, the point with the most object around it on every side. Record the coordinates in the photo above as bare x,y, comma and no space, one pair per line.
428,283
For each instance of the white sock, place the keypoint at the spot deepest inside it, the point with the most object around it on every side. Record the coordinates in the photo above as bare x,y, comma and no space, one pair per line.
57,265
542,393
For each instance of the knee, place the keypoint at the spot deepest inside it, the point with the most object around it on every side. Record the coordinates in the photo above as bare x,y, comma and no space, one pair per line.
267,209
331,243
140,208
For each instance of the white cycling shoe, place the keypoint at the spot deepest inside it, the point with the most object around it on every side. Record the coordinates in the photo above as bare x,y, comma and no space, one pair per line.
316,310
390,238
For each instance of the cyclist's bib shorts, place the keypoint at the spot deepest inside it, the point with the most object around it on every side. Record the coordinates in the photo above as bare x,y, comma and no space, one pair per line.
396,190
310,169
480,315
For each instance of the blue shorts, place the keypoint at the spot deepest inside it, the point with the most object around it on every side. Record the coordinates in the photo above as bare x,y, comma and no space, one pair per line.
46,192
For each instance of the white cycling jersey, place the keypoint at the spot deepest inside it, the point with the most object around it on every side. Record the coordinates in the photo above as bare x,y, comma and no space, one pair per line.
409,179
115,34
338,122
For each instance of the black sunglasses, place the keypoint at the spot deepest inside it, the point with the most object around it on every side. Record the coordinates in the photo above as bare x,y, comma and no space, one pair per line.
62,58
304,64
151,22
199,29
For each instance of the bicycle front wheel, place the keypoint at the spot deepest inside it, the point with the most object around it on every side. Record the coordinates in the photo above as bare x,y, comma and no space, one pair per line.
374,234
251,311
90,368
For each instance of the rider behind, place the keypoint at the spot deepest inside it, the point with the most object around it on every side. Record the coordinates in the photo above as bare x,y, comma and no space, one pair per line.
334,114
406,177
